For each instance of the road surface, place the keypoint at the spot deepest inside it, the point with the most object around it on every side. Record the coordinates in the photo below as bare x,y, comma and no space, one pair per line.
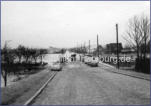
79,84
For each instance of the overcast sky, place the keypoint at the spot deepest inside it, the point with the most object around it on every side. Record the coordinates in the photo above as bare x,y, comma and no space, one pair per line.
64,23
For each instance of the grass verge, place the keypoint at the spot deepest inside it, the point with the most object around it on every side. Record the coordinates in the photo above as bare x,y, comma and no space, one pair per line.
20,92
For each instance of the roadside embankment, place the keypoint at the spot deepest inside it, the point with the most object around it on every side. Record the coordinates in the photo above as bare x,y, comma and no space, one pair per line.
125,72
21,91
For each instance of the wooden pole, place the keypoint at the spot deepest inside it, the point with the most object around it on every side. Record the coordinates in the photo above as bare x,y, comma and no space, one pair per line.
117,46
84,48
89,46
97,46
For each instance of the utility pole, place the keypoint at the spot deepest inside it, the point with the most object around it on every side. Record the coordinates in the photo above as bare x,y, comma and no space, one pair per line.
117,46
84,48
89,46
97,45
81,49
77,48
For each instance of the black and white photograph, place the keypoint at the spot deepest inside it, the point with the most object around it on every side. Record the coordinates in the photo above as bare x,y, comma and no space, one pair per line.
75,52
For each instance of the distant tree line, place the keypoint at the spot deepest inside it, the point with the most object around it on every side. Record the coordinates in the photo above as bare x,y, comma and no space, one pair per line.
62,51
20,58
81,50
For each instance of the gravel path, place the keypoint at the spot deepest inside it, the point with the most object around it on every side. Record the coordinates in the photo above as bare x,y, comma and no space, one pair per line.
79,84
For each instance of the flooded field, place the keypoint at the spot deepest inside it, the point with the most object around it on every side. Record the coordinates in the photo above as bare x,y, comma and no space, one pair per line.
49,58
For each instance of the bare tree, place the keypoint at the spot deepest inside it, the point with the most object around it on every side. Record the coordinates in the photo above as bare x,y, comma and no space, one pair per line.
138,34
19,52
35,53
26,54
145,33
7,59
42,53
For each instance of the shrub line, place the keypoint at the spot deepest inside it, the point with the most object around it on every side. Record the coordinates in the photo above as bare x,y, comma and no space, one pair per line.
135,76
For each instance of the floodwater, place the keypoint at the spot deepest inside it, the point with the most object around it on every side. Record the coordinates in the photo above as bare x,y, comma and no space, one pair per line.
49,58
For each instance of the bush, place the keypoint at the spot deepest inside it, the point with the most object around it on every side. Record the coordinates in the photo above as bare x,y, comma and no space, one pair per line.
19,67
143,65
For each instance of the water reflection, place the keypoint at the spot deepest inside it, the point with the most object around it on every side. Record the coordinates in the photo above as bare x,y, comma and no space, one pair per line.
50,58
